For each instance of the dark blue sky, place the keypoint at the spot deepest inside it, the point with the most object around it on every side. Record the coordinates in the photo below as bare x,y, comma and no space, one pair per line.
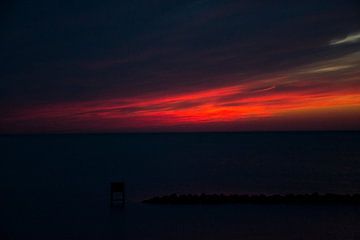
86,52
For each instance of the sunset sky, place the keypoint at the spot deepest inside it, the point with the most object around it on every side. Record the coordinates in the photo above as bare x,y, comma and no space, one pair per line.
155,66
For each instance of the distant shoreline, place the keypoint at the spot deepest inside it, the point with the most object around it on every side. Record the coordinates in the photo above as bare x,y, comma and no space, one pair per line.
313,198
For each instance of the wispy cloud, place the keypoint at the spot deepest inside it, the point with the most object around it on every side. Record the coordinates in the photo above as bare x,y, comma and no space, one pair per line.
267,97
351,38
347,63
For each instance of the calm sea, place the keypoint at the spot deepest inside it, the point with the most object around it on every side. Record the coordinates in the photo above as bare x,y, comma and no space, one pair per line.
57,186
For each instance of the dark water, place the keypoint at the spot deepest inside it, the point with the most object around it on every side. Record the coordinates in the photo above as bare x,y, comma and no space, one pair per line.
57,187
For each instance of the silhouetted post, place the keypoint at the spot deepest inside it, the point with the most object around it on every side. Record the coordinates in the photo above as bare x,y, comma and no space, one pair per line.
117,195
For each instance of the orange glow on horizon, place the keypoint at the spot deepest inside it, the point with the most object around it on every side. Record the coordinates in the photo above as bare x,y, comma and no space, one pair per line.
237,103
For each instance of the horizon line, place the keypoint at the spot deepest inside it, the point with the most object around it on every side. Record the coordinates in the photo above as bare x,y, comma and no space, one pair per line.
178,132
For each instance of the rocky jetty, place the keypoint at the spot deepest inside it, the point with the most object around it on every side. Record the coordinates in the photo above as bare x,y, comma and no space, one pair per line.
313,198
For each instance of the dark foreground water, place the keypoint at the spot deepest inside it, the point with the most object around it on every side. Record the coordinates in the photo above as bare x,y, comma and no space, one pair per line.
57,187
